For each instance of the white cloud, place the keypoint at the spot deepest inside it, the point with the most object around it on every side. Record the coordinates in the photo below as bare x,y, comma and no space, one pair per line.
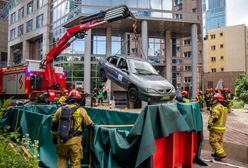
237,12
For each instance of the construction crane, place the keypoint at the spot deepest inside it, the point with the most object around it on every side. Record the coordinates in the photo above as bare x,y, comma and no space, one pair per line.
49,80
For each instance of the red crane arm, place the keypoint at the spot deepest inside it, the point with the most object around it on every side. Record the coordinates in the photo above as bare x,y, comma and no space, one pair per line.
62,44
90,22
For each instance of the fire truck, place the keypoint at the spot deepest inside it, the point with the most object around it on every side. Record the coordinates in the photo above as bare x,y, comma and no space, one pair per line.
42,79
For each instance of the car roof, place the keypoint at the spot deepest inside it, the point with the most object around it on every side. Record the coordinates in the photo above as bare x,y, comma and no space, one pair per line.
128,57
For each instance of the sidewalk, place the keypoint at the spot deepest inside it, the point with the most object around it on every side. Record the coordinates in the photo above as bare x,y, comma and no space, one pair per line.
235,140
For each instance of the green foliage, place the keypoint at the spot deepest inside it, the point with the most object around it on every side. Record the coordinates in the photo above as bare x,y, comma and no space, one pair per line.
241,88
10,153
6,103
238,104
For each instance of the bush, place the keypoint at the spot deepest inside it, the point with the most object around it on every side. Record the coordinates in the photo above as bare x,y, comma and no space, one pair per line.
241,88
10,157
238,104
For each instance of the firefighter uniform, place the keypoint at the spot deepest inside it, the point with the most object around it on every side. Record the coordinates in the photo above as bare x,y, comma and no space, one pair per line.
72,148
217,127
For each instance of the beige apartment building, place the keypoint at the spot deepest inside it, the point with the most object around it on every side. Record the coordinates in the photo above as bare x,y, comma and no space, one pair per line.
225,55
29,22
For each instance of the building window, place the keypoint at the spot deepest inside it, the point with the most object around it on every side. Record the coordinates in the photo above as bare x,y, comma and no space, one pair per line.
30,8
213,69
194,10
177,49
20,13
155,47
12,18
213,47
39,21
213,59
222,46
222,57
179,16
20,30
178,2
221,69
212,36
187,54
12,34
187,79
116,45
187,42
4,57
40,3
187,68
29,26
221,34
40,43
99,45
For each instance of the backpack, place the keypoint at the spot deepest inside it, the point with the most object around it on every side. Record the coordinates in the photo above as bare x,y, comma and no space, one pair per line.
65,123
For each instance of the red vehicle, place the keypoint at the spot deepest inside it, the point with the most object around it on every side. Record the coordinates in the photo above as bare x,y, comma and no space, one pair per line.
48,81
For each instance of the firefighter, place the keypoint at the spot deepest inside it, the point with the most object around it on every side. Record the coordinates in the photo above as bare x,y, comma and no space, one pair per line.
184,97
217,125
71,149
208,97
228,97
200,99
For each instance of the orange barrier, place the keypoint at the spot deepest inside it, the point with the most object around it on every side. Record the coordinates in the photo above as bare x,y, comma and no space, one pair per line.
177,150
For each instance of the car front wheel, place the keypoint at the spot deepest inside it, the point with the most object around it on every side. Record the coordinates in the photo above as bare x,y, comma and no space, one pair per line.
103,76
133,94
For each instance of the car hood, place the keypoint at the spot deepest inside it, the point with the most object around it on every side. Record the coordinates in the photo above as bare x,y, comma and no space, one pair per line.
152,81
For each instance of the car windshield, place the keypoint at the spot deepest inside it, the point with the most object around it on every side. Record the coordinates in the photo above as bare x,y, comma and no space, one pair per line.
142,67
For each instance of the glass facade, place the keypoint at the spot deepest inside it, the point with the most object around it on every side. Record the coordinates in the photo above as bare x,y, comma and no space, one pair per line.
216,14
64,10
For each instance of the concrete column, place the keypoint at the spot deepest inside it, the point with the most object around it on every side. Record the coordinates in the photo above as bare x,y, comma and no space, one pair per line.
194,59
168,56
108,42
144,37
45,44
25,50
87,63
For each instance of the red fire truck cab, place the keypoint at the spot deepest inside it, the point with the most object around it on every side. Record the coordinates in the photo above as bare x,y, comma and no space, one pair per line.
27,81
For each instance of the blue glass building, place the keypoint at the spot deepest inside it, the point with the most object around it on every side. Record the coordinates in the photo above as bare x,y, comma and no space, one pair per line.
215,14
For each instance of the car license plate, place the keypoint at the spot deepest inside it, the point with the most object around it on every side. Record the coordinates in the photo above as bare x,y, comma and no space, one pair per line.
165,98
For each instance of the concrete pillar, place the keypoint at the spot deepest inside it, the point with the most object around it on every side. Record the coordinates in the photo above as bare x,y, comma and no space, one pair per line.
25,50
10,56
87,63
45,44
194,59
144,37
108,42
168,56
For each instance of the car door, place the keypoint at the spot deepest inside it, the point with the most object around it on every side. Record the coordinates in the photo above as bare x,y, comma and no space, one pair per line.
110,67
122,73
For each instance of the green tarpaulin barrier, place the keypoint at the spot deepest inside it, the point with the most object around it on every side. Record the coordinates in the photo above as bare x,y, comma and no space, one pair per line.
125,146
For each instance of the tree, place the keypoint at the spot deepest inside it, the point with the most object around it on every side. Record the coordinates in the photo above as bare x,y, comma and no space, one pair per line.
241,88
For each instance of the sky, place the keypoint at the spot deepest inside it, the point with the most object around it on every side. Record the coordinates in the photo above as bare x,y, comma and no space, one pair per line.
237,12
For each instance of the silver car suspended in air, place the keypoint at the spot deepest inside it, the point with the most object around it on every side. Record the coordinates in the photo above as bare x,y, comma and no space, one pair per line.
137,76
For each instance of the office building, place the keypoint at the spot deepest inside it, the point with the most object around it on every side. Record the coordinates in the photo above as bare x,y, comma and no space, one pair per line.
158,23
3,34
215,14
225,55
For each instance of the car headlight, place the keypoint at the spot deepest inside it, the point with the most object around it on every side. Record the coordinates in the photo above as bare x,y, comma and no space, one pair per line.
148,90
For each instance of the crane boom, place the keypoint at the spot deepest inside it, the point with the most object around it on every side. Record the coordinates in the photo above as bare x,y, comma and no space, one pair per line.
84,24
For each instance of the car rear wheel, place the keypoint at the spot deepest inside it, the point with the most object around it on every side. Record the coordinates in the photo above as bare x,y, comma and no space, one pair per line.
133,94
103,76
